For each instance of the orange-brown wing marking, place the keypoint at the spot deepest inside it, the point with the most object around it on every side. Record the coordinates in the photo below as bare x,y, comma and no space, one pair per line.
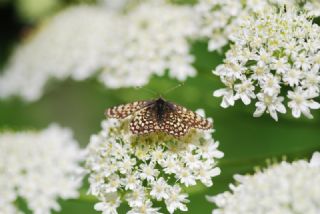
123,111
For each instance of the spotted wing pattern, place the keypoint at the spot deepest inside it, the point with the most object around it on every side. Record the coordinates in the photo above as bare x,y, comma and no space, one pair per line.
145,121
173,124
123,111
191,118
150,116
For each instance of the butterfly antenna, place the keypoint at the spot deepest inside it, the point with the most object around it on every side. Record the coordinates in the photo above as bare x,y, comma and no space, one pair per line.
173,88
154,93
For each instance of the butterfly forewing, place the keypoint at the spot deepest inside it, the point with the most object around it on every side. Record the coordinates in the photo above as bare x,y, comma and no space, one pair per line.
123,111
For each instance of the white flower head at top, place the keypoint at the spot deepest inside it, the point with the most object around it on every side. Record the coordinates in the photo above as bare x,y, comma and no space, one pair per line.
274,60
39,167
153,39
219,18
74,43
121,49
216,18
281,188
146,168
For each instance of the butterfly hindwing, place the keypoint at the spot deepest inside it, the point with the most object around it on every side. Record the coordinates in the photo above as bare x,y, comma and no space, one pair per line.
145,121
193,119
123,111
173,124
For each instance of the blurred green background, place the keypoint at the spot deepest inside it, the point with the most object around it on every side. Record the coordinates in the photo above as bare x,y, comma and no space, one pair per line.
246,141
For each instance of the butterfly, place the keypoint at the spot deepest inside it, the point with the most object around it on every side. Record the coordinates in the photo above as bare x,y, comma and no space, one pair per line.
158,115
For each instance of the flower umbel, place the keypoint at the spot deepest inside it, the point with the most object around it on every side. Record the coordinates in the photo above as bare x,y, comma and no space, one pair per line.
121,49
142,168
74,43
274,53
153,39
281,188
219,18
39,167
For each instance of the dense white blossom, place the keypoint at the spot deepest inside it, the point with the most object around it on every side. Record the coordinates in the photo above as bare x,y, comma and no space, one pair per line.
40,167
220,18
217,20
145,168
313,6
274,59
123,49
282,188
152,40
75,43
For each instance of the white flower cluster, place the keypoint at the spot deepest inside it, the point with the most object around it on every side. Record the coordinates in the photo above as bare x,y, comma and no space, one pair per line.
74,43
220,18
152,40
273,53
125,49
313,6
285,188
140,169
40,168
217,20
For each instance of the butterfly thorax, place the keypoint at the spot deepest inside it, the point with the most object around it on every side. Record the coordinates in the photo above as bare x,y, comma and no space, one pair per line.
161,106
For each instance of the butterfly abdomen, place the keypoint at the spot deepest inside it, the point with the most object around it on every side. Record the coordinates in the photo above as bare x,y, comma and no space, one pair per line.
160,108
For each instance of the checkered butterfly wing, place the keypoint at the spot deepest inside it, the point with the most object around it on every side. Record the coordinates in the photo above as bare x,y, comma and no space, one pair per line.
191,118
145,121
149,117
174,124
123,111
